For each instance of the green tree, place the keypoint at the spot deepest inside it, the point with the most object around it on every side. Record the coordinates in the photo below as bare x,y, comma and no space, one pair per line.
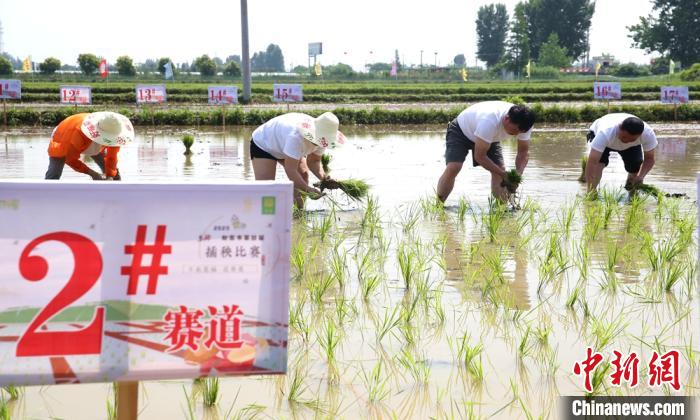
5,66
518,44
268,60
691,74
659,65
50,65
339,70
232,69
89,63
631,70
569,19
125,66
205,65
552,55
491,28
674,31
459,60
161,64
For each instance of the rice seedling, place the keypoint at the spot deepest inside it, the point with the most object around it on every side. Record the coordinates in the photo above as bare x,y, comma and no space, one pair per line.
433,207
298,322
210,391
190,401
582,259
111,403
575,296
635,213
566,218
525,347
604,332
188,141
318,286
13,392
345,310
468,354
418,368
371,219
355,189
494,261
411,265
593,221
649,190
437,309
323,227
671,275
388,322
376,385
338,265
493,219
598,379
329,338
249,412
462,207
584,162
4,409
296,387
298,260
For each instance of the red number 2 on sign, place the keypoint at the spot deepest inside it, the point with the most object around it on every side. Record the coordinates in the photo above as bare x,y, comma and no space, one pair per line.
87,269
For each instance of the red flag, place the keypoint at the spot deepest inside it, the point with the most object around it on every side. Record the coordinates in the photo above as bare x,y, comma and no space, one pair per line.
104,71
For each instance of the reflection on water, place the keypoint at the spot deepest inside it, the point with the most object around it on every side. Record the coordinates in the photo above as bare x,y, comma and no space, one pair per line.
523,293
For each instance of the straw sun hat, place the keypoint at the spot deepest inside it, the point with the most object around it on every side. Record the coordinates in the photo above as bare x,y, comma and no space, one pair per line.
108,128
323,131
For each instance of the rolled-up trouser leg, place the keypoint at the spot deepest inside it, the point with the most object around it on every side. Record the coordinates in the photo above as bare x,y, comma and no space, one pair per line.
55,168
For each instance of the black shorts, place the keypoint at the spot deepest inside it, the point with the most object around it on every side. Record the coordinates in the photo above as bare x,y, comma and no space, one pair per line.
632,157
257,152
457,146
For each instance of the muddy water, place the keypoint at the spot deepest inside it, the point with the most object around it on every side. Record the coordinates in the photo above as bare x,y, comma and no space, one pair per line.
495,291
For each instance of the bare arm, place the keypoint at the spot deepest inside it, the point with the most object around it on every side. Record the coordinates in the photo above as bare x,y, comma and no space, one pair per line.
481,149
523,156
313,162
646,165
291,167
594,169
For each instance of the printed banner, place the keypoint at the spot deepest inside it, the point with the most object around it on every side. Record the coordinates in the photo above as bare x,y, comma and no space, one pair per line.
11,89
150,94
81,95
287,93
674,95
607,90
142,281
223,95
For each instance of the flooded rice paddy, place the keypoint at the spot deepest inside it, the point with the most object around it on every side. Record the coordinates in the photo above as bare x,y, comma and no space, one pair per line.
403,309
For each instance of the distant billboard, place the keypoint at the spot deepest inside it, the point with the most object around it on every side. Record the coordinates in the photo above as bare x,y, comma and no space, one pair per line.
315,48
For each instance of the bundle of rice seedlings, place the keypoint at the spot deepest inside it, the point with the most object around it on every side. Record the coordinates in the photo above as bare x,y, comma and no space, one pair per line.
649,190
584,161
353,188
325,160
512,180
188,141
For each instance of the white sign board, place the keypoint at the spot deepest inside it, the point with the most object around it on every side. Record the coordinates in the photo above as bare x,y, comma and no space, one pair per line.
10,89
607,90
150,94
674,94
143,281
81,95
223,95
287,93
315,48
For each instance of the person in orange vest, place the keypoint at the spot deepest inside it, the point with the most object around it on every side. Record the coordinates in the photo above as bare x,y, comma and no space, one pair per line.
96,134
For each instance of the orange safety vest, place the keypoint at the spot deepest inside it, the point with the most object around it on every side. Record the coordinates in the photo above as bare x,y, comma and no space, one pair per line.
68,142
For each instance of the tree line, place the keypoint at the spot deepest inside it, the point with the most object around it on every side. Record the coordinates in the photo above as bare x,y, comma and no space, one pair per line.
556,32
270,60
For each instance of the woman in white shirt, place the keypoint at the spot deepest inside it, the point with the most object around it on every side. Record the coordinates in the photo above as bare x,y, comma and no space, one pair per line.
297,142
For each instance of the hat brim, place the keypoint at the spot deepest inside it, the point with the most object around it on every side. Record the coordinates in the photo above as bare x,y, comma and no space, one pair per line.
308,133
91,130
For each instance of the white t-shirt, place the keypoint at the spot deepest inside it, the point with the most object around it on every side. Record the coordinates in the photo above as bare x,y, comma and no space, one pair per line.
485,121
606,128
281,138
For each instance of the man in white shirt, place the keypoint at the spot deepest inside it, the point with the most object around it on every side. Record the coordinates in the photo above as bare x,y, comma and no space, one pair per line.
480,128
627,135
297,142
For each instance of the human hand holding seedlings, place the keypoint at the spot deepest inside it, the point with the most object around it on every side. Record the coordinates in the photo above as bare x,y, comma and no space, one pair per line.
512,181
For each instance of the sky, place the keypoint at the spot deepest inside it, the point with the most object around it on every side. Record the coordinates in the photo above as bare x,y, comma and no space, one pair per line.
354,32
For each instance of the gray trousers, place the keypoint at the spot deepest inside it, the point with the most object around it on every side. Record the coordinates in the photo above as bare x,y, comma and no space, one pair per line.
56,166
